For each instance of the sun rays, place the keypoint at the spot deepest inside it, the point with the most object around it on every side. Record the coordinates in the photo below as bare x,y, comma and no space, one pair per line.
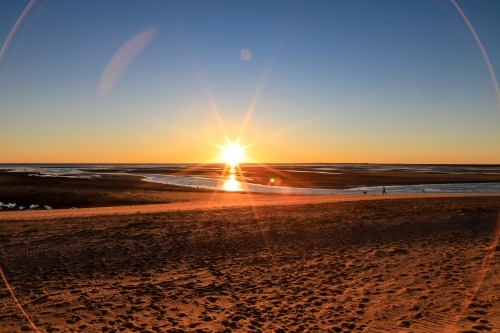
235,149
233,154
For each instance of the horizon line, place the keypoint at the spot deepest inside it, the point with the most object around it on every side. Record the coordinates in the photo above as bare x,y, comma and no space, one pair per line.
248,163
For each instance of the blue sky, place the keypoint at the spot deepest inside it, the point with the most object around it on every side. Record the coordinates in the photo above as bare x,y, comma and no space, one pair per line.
346,81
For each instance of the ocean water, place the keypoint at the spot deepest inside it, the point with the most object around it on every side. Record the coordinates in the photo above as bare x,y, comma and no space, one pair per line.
96,170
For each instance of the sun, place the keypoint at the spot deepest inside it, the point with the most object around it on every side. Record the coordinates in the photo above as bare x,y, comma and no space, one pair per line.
232,154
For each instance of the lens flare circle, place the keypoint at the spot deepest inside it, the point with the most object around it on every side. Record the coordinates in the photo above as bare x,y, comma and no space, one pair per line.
245,54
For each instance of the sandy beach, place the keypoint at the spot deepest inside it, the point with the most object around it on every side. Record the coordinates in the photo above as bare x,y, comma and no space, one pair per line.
414,264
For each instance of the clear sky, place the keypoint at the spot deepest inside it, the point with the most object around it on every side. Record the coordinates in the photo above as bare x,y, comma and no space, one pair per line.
318,81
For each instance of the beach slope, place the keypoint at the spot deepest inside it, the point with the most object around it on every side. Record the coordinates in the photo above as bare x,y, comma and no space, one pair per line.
397,265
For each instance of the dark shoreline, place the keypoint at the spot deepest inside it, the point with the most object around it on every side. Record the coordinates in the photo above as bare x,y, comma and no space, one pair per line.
130,189
59,192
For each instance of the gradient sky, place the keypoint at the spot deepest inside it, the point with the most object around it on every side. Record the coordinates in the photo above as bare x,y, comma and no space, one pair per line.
156,82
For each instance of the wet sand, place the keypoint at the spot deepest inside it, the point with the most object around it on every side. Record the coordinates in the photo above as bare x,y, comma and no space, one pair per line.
392,265
128,190
60,193
342,177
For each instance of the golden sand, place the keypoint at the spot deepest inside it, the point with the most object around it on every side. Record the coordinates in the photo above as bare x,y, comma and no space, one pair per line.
357,264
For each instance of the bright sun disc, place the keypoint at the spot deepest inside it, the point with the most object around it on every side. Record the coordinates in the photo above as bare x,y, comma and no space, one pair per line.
233,154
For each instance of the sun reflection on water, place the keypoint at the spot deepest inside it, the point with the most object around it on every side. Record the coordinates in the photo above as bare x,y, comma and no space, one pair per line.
231,184
232,154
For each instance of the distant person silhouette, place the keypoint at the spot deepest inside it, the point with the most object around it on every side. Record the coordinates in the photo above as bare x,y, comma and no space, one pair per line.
383,191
